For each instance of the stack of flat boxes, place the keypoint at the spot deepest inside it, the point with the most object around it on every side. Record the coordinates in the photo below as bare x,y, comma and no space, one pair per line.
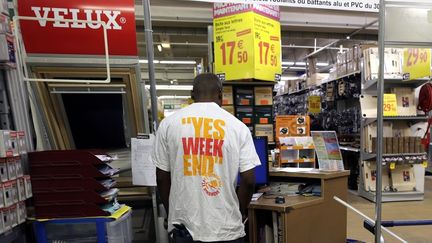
72,183
15,187
253,106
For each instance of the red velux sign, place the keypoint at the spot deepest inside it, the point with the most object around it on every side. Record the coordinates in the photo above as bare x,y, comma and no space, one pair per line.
60,37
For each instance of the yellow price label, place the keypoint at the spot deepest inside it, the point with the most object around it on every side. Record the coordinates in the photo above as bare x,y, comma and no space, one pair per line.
390,105
416,63
314,104
392,166
247,44
425,164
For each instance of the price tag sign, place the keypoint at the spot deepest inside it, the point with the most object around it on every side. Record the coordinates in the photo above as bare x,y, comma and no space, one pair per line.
390,105
314,104
416,63
392,166
425,164
247,42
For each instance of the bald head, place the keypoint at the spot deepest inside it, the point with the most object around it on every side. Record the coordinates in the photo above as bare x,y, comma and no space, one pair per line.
207,88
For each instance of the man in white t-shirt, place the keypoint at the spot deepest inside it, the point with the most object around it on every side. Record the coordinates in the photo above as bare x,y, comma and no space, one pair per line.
199,152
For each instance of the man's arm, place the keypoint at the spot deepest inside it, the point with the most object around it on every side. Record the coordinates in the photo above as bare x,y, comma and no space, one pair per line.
246,190
163,179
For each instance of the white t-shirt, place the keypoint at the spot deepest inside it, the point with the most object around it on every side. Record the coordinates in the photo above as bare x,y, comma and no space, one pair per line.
204,148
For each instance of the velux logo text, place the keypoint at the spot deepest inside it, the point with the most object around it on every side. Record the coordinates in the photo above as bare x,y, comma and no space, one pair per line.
63,13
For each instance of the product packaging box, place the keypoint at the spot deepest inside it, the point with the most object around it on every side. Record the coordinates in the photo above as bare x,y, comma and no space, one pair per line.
11,167
21,189
406,104
2,226
18,167
22,148
245,114
21,212
265,131
13,215
3,170
229,108
244,96
10,193
263,96
227,95
403,179
6,143
263,115
7,221
369,177
28,186
2,199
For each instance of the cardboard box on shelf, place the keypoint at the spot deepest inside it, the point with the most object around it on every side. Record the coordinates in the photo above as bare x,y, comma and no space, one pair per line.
19,169
10,193
2,199
264,115
21,189
28,186
403,178
263,96
227,95
229,108
316,79
21,212
245,114
13,215
265,130
22,148
3,170
369,177
406,104
7,221
2,226
244,96
6,143
11,167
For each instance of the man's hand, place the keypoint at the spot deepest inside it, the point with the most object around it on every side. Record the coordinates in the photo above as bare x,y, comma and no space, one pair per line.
163,179
246,189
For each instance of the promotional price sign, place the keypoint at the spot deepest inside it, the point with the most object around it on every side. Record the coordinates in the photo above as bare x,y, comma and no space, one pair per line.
247,42
417,63
314,104
390,105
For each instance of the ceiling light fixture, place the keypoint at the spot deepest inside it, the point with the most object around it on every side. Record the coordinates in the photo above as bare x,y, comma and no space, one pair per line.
160,48
322,64
166,45
146,61
300,64
288,63
297,68
165,97
171,87
178,62
289,78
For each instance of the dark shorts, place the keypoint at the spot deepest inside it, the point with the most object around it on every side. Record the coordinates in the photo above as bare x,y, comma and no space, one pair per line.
181,235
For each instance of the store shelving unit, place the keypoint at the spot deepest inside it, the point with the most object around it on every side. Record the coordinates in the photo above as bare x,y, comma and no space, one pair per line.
370,87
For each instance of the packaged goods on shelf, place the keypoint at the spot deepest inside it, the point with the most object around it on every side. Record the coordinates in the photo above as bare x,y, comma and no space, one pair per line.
227,94
229,108
264,130
244,96
392,63
263,115
22,148
2,197
8,143
291,125
21,189
263,96
4,24
369,177
403,178
11,167
406,104
316,79
10,193
28,186
18,167
245,114
3,170
21,212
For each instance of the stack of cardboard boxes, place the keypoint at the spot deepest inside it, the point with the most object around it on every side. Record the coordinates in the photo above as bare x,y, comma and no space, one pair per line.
15,187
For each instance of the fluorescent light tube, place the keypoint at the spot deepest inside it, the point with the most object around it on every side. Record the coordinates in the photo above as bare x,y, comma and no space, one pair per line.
177,62
171,87
146,61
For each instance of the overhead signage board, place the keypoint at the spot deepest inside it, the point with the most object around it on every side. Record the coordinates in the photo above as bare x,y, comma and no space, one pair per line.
247,42
60,37
347,5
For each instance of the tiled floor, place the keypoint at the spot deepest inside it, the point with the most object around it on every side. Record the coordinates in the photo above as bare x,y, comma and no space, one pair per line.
393,211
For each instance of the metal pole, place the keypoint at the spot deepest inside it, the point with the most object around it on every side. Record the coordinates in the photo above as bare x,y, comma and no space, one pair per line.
379,154
153,98
150,57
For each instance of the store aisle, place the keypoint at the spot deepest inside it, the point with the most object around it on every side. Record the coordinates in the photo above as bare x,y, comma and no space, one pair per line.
393,211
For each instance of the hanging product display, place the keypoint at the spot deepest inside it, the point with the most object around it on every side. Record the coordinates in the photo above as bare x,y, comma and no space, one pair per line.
247,42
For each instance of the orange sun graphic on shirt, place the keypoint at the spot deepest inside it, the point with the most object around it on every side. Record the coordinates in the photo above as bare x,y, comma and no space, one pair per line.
211,184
